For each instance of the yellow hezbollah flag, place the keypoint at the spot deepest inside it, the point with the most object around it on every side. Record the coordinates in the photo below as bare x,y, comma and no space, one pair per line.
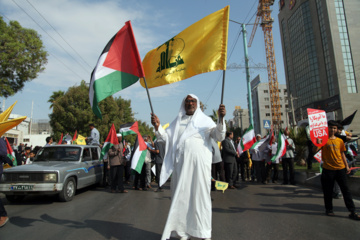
80,140
9,124
221,185
200,48
5,115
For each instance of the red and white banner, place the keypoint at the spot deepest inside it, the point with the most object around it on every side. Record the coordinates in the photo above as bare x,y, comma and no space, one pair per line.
318,126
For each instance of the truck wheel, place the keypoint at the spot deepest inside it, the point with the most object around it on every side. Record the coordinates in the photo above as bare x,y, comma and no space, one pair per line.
68,191
14,198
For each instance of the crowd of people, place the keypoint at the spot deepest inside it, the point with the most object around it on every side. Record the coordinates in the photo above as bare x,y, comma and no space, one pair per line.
195,149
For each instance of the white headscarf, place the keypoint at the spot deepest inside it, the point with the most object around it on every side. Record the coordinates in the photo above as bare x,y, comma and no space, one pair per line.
199,122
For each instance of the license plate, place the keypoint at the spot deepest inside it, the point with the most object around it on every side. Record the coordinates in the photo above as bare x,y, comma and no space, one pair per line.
22,187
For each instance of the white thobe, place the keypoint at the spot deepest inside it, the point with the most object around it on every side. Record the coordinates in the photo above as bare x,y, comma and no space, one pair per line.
190,211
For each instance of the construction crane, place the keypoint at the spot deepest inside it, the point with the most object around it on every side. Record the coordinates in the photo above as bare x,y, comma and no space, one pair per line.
264,13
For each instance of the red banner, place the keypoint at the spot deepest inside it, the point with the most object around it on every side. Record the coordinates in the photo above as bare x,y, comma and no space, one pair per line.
318,126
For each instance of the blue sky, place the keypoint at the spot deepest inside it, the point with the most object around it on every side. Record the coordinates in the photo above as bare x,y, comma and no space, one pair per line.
87,26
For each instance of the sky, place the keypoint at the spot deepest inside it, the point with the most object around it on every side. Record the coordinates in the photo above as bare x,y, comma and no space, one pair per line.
75,32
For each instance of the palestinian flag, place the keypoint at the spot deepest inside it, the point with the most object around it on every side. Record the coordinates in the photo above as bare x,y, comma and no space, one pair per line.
128,129
281,147
138,155
10,152
248,139
347,121
74,137
61,138
110,141
118,67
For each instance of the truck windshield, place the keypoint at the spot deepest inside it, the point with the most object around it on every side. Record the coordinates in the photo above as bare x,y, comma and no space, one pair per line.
58,154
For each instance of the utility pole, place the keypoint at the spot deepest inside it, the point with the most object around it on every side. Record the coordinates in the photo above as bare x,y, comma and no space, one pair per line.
247,75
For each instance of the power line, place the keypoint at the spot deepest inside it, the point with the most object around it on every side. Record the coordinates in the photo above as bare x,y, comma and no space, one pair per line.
59,34
250,11
49,35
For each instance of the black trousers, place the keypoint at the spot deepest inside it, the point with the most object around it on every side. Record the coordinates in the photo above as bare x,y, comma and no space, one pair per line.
158,172
328,178
230,173
127,171
288,165
259,168
106,177
2,210
269,167
116,175
140,177
244,168
217,173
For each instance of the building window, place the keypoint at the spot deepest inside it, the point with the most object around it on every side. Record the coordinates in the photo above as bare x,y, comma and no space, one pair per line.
285,91
267,106
26,140
345,46
266,91
267,114
267,99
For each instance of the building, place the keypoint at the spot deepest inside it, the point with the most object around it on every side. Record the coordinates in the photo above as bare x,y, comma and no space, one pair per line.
262,107
241,118
31,133
322,55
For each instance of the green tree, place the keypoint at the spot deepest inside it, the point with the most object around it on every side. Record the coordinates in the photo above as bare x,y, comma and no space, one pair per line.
55,97
73,112
22,57
300,140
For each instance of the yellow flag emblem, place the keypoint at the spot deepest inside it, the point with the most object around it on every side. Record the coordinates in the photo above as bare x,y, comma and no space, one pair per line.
200,48
221,185
80,140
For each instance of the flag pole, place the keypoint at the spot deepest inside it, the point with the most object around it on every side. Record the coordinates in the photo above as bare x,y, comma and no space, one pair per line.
223,86
148,94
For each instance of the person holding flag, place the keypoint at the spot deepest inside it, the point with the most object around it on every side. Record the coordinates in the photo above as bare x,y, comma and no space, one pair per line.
188,157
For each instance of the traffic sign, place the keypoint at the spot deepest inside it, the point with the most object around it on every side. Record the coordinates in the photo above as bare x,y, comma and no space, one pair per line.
267,124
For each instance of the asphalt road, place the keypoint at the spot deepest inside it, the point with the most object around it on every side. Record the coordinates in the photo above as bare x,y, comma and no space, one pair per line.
252,211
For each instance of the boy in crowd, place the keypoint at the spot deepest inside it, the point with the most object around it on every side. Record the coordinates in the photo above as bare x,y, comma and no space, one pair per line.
335,168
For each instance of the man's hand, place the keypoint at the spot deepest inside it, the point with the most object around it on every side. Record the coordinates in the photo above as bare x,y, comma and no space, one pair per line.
319,141
155,121
221,112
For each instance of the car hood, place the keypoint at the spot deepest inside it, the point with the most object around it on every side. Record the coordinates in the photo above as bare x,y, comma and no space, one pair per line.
43,166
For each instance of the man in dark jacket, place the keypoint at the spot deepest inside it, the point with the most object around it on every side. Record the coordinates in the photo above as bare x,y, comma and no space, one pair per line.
3,159
228,154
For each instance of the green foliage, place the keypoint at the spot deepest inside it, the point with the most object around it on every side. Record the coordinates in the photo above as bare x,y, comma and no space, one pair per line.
72,111
22,57
299,137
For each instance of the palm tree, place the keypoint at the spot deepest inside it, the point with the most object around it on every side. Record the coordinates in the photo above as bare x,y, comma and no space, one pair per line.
54,97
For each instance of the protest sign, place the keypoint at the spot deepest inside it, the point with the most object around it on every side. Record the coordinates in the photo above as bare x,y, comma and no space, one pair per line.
318,126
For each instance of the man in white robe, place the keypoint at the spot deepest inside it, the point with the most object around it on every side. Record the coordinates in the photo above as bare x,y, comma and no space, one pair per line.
188,158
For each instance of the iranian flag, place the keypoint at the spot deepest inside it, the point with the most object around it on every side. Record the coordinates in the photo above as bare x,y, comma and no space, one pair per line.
261,145
128,129
118,67
139,154
110,141
281,147
248,139
10,152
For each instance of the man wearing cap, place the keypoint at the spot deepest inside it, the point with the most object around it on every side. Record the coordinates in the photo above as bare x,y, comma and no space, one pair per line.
116,165
94,135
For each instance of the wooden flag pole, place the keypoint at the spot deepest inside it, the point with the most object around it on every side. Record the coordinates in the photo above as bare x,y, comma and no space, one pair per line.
223,86
148,94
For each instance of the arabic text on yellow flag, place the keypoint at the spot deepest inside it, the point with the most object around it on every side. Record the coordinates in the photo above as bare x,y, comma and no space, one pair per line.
80,140
200,48
221,185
